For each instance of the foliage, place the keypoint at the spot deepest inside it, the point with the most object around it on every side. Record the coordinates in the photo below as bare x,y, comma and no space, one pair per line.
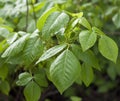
44,42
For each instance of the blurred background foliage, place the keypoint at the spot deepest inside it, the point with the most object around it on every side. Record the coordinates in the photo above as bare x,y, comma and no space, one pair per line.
20,15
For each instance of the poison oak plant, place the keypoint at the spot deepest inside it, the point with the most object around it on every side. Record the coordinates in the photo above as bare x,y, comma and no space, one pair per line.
60,50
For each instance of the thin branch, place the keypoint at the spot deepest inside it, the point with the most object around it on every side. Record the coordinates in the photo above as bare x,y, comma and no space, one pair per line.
113,33
18,94
34,14
50,91
27,14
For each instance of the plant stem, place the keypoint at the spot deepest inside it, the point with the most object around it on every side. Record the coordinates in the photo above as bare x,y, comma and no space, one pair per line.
27,13
35,18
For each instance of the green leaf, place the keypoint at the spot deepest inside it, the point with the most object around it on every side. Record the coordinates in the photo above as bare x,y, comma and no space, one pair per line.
116,20
4,32
3,45
72,23
106,86
88,57
40,78
51,52
78,15
87,74
42,19
79,80
54,23
16,60
59,1
24,78
87,39
98,31
110,10
32,92
1,20
83,21
12,38
3,72
108,48
75,98
9,28
33,49
37,7
64,70
111,71
5,87
16,47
